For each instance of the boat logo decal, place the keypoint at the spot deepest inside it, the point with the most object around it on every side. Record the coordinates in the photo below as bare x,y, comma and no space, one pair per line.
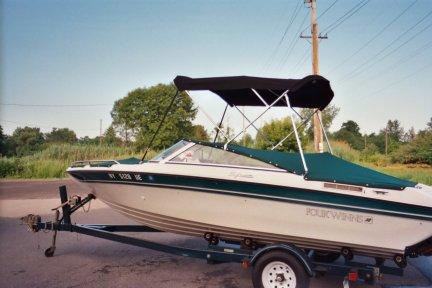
339,215
237,175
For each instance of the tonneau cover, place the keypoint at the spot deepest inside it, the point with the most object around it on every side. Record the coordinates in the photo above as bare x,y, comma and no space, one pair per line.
322,167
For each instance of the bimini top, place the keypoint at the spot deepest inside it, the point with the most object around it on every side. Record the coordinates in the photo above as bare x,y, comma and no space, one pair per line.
312,91
322,167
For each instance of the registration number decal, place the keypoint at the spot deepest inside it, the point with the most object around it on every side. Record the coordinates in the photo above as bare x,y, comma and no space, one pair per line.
125,176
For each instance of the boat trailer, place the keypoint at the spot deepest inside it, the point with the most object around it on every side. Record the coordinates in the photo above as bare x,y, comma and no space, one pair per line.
214,253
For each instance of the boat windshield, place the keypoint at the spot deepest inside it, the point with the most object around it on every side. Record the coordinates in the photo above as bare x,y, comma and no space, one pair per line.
200,154
170,150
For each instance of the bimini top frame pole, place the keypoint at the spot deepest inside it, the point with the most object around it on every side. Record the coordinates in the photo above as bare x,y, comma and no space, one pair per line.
313,92
253,121
325,134
301,125
296,134
253,125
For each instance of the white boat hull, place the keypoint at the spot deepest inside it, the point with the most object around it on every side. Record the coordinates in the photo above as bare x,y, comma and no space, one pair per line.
231,217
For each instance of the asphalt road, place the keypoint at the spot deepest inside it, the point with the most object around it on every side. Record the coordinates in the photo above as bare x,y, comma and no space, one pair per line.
82,261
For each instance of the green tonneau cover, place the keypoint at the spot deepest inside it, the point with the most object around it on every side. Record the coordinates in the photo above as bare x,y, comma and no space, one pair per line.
323,167
130,161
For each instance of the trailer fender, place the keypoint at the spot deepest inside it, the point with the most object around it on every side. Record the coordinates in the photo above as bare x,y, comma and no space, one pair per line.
290,249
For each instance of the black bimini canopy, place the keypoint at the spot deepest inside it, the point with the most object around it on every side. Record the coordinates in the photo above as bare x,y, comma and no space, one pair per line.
312,91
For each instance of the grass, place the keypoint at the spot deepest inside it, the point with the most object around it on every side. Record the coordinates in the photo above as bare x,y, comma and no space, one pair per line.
53,161
416,173
381,163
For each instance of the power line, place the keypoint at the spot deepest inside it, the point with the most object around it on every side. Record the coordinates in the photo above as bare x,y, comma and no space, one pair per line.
293,16
292,44
322,14
345,17
392,51
401,79
53,105
409,57
301,61
353,72
40,126
375,36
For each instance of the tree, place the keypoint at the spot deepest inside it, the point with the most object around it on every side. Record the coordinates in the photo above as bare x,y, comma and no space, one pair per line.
61,135
226,134
394,134
138,116
247,141
378,140
327,115
409,135
200,133
110,136
351,127
417,151
2,142
394,130
350,133
86,140
274,131
27,140
7,146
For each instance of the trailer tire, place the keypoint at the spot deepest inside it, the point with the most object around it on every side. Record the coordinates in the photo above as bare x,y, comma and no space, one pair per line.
279,269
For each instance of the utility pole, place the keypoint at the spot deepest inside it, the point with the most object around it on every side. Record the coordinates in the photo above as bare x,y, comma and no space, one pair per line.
100,131
315,37
365,141
386,141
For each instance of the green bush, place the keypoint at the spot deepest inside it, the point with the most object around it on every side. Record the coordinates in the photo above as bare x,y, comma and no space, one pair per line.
10,167
418,151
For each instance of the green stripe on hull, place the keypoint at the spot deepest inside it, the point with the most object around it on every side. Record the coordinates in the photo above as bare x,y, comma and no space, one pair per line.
269,192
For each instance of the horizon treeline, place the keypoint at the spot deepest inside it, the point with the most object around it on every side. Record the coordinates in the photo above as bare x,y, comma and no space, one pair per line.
137,116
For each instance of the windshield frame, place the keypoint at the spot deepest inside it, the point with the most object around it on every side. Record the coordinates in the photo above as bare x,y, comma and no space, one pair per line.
171,152
169,159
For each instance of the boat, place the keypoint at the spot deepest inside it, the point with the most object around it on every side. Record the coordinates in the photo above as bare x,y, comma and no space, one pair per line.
227,192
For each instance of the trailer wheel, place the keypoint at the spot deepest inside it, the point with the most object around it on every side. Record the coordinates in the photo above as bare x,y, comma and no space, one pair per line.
278,269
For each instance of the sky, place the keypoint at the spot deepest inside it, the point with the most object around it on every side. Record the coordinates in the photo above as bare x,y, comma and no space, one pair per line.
92,53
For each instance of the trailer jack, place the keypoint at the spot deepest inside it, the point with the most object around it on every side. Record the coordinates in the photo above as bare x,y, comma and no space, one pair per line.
68,206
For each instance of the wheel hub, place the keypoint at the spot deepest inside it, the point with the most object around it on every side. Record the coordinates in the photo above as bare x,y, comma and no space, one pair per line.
278,274
280,277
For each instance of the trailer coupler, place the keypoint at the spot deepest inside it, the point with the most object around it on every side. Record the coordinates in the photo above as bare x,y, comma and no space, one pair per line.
68,206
